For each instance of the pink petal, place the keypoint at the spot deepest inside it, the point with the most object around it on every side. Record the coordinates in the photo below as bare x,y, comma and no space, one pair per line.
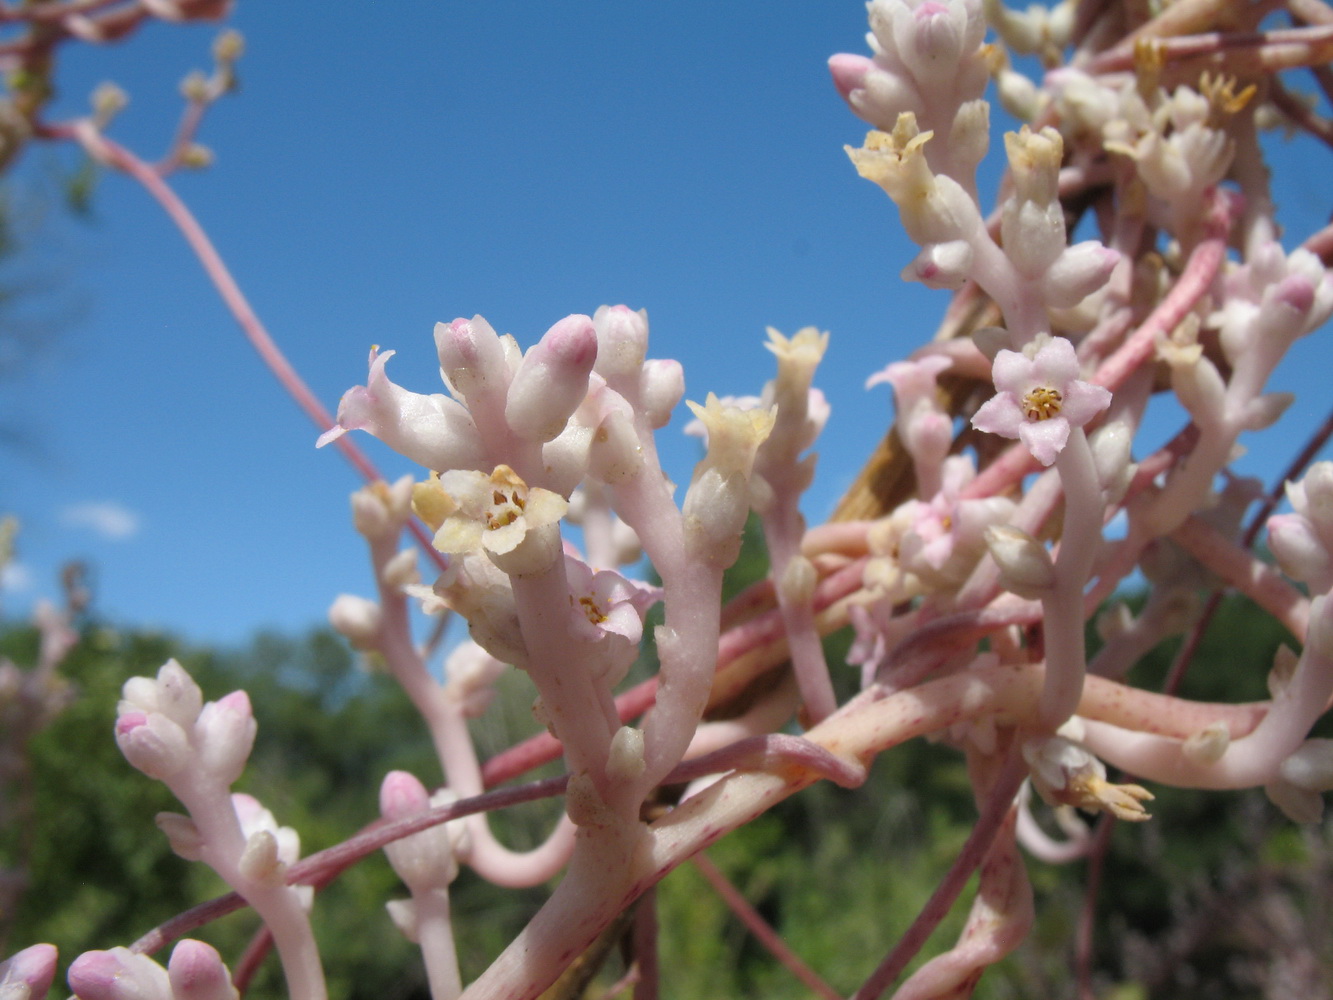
1011,372
1001,415
1045,438
1056,365
1083,401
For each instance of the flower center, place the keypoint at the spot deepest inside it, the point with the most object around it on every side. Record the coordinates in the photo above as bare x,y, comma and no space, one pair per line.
506,508
590,608
1042,403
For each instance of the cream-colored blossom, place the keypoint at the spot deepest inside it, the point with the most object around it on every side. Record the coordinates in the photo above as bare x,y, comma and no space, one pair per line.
1064,773
499,514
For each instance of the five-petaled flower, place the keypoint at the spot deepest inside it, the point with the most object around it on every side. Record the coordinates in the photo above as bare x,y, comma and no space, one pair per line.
517,525
1039,399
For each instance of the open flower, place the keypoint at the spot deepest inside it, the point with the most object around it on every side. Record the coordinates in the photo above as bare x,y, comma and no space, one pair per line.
1039,399
517,525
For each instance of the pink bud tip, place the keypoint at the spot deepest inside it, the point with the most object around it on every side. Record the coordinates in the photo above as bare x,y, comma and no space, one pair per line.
402,795
849,72
130,721
237,701
1296,292
34,967
197,972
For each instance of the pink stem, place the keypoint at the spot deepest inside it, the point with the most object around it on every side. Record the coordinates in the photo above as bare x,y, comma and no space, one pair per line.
761,929
116,155
998,804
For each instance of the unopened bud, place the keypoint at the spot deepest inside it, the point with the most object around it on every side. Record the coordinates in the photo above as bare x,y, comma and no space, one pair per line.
798,582
473,359
1311,766
118,974
625,760
357,620
661,387
197,972
27,975
1025,565
941,265
622,341
225,735
153,744
552,380
1207,745
182,834
401,570
1077,272
260,862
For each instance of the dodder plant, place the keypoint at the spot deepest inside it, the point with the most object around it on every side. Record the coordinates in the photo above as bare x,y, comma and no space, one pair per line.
968,562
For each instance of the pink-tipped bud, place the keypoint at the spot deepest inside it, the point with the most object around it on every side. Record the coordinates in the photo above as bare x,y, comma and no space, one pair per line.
118,974
472,358
941,265
661,388
622,341
402,795
552,380
225,734
1296,293
1079,271
153,744
424,860
849,73
197,972
930,39
28,974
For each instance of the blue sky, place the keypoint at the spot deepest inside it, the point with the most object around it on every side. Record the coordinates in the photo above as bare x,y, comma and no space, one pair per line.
388,166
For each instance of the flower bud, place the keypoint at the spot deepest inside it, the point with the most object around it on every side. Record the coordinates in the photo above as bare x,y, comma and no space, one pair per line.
403,913
1311,766
622,341
1299,550
472,359
941,265
715,510
225,735
1207,745
197,972
153,744
625,760
118,974
401,570
1033,235
1079,271
178,696
1025,565
798,582
552,380
423,860
1111,449
615,454
182,834
1297,804
260,862
356,619
661,387
27,974
379,509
